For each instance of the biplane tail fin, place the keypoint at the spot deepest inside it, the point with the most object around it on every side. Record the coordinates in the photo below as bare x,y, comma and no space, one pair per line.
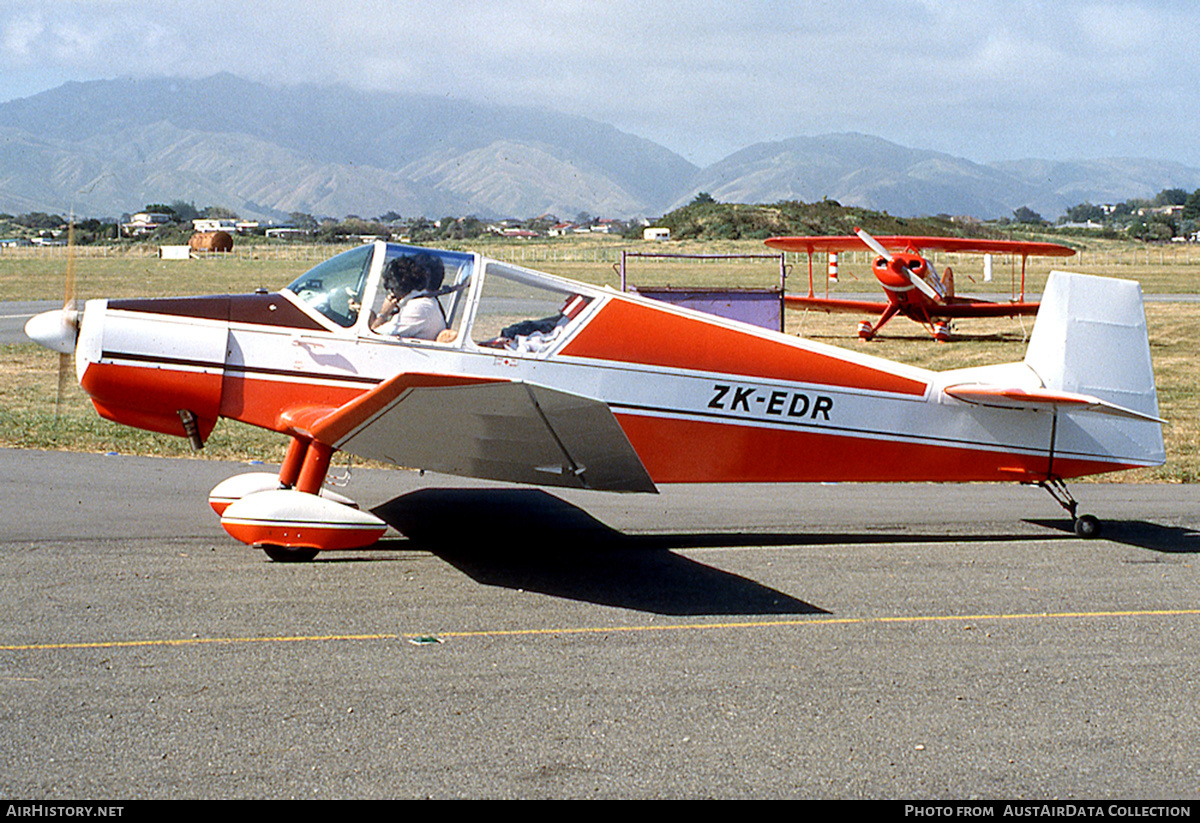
1090,338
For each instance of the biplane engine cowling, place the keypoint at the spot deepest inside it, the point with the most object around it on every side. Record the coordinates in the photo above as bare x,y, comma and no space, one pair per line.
894,274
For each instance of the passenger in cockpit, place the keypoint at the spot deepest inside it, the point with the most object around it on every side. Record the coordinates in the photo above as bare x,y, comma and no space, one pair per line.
435,271
408,310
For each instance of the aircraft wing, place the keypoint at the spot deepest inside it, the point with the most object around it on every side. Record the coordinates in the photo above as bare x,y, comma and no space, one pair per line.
961,307
958,307
967,245
491,429
832,304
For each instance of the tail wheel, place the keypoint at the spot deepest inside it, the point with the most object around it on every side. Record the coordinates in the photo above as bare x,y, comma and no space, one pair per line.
290,554
1087,526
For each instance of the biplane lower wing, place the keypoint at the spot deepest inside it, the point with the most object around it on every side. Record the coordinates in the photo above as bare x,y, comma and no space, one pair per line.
959,307
955,308
496,430
835,306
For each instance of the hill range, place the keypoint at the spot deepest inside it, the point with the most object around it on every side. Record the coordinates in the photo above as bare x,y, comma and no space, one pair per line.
113,146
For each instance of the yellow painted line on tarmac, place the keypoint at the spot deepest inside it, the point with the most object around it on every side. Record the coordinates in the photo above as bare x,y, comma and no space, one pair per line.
581,630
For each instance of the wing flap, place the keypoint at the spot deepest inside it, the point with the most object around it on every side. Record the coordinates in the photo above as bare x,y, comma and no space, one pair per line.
496,430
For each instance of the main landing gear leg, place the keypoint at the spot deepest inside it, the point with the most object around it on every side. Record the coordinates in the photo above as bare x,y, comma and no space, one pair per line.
1086,525
867,332
289,472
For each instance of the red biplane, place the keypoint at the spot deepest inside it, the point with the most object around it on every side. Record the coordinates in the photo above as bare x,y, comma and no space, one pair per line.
913,288
535,379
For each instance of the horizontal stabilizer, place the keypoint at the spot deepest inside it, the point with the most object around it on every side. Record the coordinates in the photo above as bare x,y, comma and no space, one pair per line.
1018,398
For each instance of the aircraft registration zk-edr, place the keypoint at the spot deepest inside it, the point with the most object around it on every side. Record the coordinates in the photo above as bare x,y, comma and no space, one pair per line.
537,379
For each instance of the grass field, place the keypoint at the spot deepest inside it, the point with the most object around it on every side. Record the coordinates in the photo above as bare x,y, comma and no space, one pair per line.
28,383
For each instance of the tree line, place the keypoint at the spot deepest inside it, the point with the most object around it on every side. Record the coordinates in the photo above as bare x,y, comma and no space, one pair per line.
1171,213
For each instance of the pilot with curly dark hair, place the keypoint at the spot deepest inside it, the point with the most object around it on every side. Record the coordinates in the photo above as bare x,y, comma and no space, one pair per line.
408,310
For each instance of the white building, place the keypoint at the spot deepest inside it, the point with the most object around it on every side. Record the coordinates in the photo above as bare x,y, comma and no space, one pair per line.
205,224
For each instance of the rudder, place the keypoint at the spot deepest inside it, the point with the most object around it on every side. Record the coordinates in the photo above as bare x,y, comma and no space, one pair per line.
1090,338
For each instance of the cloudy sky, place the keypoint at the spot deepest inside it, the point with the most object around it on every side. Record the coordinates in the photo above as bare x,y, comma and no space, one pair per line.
982,79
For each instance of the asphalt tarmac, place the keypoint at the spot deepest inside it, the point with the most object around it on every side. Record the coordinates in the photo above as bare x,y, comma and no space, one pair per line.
904,641
14,316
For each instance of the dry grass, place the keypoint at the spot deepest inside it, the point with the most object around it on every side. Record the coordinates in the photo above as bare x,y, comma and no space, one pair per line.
31,417
42,278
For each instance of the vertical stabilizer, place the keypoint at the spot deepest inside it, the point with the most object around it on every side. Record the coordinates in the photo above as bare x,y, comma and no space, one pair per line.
1090,337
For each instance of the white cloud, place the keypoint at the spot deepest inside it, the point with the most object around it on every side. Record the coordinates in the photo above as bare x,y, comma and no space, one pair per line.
982,79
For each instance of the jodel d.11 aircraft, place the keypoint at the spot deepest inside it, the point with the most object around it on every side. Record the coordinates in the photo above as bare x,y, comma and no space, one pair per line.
460,364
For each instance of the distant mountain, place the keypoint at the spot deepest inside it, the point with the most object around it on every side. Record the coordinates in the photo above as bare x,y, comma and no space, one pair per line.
108,147
112,146
859,170
1064,184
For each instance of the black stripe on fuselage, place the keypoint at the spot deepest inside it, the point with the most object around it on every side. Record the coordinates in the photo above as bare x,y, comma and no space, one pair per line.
159,361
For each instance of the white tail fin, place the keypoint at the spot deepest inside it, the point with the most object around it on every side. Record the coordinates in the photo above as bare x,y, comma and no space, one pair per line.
1090,338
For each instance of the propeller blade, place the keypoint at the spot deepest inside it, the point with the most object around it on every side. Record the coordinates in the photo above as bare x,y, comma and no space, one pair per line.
64,377
921,284
875,245
69,285
70,315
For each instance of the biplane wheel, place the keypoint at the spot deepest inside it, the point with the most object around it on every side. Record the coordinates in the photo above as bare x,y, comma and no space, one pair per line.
290,554
1087,526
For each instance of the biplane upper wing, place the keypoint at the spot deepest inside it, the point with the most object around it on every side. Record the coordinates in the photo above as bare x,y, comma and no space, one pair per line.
966,245
492,429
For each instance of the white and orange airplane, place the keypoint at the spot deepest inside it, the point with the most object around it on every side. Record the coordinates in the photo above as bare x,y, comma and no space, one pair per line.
537,379
912,287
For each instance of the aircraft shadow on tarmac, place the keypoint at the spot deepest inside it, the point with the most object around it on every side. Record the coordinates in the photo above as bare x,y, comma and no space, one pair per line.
1139,533
531,540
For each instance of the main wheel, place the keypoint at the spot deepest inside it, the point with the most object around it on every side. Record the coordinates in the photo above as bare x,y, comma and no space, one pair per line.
1087,526
290,554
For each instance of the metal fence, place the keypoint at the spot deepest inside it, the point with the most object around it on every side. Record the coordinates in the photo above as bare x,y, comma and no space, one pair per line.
1182,254
314,252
